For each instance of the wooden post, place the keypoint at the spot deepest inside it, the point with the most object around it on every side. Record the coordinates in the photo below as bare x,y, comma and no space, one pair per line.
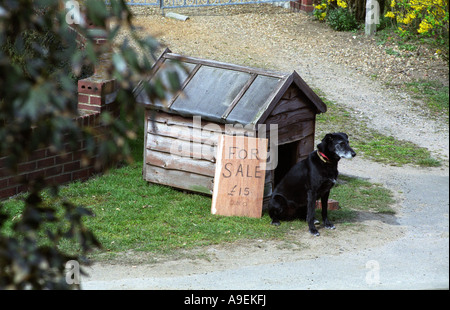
372,16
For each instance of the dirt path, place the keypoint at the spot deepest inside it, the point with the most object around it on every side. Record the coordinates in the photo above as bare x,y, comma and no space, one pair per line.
343,66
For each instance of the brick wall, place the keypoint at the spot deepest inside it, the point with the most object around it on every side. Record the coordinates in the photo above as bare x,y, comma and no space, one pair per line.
54,168
95,95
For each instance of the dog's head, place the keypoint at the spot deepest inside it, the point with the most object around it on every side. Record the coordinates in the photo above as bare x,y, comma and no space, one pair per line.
336,145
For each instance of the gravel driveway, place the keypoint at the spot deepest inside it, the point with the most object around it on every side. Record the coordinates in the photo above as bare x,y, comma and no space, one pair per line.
405,251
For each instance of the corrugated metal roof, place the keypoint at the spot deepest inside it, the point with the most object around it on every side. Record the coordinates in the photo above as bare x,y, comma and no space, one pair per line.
225,93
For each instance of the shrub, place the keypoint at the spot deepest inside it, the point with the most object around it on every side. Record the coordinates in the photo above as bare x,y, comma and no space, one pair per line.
336,14
341,19
423,19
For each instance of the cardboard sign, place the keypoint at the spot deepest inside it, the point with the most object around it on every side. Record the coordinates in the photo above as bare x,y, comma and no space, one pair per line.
240,176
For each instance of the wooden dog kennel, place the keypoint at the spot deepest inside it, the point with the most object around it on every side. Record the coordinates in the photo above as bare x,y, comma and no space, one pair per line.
181,135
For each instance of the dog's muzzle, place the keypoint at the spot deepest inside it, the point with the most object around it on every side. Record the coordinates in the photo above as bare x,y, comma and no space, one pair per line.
346,154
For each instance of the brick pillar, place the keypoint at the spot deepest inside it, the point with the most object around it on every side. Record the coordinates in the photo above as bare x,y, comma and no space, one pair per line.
307,5
97,92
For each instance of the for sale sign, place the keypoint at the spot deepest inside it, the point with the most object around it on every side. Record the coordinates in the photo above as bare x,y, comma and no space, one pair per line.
239,176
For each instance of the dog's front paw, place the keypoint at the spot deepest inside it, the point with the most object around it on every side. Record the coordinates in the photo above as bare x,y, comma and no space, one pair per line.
330,226
275,223
314,232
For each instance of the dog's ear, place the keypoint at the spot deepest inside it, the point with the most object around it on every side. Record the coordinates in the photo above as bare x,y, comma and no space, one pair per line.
344,134
328,138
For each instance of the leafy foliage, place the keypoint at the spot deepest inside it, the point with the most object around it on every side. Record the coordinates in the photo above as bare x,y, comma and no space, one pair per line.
337,14
424,18
341,19
39,65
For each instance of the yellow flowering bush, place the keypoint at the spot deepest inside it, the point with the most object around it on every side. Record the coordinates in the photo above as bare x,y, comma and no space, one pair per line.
320,11
337,14
426,17
342,4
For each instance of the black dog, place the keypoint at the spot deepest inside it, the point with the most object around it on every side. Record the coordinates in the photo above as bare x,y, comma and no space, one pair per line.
309,180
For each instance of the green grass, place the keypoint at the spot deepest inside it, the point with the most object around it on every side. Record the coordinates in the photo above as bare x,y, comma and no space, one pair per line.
396,152
433,93
371,144
361,195
131,214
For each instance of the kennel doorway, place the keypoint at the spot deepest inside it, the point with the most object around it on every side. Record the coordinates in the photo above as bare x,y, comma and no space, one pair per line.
287,158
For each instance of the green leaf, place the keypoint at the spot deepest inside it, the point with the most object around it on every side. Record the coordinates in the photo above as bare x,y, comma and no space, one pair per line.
173,80
97,12
119,63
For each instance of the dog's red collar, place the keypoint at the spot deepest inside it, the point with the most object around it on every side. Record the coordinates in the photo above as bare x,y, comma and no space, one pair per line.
323,157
